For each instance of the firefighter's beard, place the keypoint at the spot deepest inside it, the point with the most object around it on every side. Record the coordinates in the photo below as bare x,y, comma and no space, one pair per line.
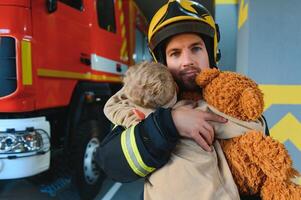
186,79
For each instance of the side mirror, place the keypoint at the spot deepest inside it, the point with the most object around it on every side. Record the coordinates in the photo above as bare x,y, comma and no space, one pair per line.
51,5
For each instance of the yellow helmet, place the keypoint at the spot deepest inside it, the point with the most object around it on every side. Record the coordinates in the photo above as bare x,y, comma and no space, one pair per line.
182,16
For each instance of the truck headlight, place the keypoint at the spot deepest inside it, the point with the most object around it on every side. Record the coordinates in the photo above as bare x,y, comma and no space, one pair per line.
36,140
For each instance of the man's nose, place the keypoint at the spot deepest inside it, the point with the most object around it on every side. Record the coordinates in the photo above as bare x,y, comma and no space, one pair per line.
186,59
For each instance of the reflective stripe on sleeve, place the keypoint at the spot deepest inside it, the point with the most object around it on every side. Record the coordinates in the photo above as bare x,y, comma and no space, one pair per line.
131,152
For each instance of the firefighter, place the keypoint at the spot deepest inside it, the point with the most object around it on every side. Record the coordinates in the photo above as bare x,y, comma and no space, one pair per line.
183,36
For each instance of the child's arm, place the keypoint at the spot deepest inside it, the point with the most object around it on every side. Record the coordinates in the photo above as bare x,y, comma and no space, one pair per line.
119,110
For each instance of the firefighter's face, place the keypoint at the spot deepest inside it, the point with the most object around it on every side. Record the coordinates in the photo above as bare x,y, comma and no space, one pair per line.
186,56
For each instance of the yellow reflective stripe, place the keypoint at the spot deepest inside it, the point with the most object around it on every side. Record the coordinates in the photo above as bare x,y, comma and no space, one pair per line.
121,19
226,2
123,51
242,13
132,155
127,154
76,75
137,154
119,4
26,62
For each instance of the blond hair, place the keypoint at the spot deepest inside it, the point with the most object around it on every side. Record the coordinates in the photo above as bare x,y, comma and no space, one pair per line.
149,85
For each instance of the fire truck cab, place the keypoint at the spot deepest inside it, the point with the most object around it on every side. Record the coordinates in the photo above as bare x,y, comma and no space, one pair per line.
60,60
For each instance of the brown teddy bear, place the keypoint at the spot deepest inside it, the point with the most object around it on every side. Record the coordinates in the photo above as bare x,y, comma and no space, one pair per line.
259,164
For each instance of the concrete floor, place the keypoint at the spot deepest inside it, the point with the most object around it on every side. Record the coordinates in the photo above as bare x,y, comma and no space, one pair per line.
55,184
29,189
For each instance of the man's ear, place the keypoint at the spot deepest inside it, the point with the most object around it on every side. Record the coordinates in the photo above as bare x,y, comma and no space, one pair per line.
206,76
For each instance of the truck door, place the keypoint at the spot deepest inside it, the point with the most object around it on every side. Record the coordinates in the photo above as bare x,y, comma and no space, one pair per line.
109,51
60,39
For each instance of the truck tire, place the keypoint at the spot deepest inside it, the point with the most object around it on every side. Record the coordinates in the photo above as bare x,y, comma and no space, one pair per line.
87,177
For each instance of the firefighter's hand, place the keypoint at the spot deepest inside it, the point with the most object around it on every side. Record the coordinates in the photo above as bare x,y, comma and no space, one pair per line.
194,123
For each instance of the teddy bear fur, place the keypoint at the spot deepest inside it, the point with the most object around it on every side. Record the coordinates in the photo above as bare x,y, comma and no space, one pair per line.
259,164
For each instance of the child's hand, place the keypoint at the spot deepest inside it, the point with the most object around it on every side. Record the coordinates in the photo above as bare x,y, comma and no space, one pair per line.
139,114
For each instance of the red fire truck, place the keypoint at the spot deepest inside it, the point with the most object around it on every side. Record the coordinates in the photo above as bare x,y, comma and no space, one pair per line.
60,60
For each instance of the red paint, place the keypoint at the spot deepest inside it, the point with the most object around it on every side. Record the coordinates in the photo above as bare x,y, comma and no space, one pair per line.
58,41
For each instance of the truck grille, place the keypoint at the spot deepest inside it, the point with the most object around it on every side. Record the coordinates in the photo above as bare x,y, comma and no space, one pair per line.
8,80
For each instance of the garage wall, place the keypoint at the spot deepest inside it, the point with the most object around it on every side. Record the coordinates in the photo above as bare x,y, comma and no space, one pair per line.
226,13
268,50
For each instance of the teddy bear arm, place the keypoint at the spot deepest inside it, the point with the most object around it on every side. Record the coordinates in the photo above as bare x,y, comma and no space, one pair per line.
269,155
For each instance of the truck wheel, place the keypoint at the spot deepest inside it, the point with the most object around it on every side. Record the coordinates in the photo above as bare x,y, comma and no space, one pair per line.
87,177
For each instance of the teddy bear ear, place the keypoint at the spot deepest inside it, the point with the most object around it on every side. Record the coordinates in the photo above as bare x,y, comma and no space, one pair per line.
252,103
206,76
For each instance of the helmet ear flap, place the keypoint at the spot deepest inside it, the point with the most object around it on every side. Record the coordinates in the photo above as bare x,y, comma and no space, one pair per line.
218,55
218,36
159,53
217,32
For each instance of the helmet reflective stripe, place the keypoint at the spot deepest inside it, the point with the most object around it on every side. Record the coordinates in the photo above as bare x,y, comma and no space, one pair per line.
165,21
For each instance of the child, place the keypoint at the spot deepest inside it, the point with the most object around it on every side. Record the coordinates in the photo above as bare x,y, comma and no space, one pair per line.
147,86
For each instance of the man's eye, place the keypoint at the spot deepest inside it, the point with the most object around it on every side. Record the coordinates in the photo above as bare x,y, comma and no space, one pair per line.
174,54
195,49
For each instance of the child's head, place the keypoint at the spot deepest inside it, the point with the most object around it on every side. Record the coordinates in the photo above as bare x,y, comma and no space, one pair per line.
150,85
